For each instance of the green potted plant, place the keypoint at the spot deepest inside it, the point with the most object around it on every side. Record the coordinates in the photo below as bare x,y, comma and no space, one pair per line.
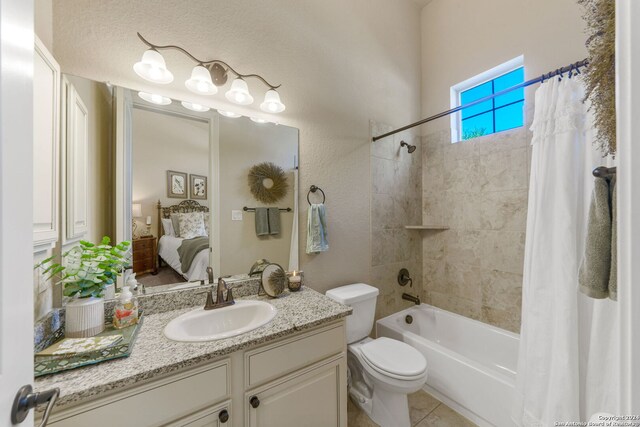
85,271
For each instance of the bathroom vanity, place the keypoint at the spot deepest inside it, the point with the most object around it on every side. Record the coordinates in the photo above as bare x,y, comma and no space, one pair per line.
292,369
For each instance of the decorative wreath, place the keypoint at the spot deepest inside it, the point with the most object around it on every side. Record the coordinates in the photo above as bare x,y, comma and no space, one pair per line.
263,173
600,76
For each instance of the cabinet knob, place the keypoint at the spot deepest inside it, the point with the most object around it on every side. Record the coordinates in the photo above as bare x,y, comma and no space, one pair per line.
254,401
223,416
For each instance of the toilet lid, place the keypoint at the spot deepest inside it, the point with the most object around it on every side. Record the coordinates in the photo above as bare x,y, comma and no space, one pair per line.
395,357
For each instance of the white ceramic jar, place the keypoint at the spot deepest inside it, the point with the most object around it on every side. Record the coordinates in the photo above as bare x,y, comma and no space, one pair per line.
84,317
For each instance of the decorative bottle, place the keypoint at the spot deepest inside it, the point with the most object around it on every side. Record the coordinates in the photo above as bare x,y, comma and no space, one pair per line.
126,311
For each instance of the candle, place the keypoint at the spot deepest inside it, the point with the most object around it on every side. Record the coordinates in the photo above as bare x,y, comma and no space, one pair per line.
295,280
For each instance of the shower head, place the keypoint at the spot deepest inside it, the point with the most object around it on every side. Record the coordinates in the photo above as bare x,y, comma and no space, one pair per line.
410,148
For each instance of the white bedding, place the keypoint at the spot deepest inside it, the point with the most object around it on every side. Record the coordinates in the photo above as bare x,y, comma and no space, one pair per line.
168,250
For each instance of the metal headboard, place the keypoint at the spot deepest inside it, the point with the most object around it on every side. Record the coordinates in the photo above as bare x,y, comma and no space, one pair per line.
184,206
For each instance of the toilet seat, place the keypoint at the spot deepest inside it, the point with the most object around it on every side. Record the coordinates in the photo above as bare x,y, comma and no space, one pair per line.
394,359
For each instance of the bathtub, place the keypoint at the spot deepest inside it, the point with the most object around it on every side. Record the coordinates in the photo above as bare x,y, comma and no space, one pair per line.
471,365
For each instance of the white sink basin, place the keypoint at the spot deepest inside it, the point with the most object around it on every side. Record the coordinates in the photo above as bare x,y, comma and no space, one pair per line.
209,325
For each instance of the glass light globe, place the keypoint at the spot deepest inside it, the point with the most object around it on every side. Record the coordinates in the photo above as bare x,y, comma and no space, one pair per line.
229,114
200,81
154,98
258,120
195,107
272,103
239,93
153,68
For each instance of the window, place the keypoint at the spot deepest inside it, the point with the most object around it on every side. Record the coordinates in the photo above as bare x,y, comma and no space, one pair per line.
495,115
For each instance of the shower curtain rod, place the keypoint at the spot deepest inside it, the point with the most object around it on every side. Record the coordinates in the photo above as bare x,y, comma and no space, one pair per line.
559,72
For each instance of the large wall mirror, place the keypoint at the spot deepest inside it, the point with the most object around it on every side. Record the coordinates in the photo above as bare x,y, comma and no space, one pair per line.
191,189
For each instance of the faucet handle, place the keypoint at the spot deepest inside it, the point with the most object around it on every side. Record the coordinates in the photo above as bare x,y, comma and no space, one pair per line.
230,296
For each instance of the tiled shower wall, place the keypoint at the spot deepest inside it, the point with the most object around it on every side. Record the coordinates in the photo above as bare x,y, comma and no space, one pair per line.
479,189
396,201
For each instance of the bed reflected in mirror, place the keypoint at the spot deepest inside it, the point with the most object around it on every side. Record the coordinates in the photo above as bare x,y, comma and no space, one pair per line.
170,197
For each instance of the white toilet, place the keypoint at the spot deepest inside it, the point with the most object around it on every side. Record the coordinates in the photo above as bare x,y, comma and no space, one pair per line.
382,371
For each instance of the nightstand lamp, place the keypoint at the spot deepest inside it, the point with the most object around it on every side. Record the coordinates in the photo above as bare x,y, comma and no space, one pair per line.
136,212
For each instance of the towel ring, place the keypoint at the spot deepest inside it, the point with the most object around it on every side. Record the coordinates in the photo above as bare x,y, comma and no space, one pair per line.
313,189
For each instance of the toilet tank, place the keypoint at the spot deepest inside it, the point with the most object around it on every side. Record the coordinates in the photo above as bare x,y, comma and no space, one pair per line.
362,299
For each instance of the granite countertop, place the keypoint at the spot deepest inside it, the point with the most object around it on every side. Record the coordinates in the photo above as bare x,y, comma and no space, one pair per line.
154,355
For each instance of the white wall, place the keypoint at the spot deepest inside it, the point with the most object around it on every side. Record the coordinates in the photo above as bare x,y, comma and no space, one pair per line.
341,63
244,144
462,38
164,142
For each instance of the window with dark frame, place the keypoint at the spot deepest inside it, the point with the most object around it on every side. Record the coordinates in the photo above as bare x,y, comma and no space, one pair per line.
495,115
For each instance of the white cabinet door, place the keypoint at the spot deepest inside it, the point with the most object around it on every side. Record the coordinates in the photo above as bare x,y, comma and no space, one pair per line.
46,137
218,416
310,398
76,147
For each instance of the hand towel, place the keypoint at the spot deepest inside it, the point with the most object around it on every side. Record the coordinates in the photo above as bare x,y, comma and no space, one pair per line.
594,274
274,221
262,222
613,274
317,229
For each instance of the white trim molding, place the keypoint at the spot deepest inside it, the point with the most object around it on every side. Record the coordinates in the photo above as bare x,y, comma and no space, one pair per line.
628,188
46,148
75,160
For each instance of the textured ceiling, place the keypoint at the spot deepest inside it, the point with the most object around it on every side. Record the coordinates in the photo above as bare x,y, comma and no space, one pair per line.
97,39
422,3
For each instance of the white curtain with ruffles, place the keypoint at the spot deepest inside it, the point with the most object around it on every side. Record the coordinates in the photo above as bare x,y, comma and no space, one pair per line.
567,365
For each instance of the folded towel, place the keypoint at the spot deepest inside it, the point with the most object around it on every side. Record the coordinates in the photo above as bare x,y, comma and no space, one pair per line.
317,229
593,277
262,222
274,221
613,275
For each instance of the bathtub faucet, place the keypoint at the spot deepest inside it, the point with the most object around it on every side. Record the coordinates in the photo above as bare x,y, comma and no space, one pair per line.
415,300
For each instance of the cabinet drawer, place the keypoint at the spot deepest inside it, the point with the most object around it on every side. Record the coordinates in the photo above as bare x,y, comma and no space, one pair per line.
143,244
287,356
153,404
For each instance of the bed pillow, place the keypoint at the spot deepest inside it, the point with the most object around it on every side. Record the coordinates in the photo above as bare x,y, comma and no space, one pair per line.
206,222
191,225
167,226
175,222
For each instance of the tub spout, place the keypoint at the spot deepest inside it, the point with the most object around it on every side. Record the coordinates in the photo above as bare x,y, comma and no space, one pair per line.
415,300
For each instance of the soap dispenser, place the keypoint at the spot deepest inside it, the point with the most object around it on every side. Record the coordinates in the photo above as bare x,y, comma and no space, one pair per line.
126,310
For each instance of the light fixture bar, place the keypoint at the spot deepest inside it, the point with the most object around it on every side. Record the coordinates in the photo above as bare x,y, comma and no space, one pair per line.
209,64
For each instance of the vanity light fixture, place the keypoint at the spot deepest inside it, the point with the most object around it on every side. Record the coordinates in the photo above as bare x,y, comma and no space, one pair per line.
154,98
207,76
200,81
239,92
153,68
229,114
272,103
195,107
258,120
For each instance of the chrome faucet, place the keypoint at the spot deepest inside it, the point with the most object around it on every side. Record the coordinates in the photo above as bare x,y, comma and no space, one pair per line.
415,300
220,300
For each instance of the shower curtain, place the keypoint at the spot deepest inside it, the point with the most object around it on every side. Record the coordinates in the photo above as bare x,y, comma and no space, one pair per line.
293,249
567,363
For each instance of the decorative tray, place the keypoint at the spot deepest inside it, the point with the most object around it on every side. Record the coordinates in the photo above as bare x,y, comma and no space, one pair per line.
45,365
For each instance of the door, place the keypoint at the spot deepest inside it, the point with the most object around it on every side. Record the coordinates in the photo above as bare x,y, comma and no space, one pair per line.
311,399
16,210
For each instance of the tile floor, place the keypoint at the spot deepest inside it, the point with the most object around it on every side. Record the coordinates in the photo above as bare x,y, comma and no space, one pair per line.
425,411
